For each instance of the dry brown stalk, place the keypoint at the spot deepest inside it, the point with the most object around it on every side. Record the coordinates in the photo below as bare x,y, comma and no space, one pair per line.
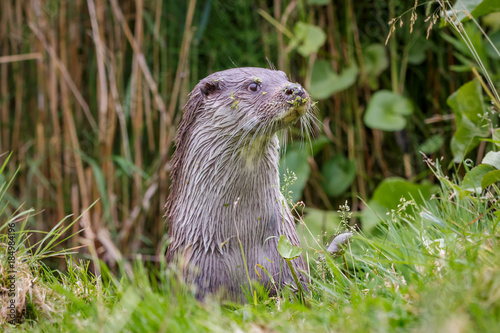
102,87
140,58
279,34
183,56
138,123
20,57
65,75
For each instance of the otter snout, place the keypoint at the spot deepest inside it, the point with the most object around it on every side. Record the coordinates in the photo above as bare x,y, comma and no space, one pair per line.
297,99
294,90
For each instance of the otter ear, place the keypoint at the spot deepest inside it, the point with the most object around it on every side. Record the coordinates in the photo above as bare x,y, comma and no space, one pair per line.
209,87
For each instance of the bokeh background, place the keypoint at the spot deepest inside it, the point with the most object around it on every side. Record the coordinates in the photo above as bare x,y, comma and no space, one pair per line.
91,93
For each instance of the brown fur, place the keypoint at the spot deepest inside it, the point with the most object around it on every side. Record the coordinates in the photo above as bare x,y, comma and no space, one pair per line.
225,193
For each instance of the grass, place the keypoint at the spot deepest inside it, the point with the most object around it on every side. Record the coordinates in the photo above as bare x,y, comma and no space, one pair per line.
430,267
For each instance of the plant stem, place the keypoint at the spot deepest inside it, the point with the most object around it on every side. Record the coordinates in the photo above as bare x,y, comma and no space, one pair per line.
297,282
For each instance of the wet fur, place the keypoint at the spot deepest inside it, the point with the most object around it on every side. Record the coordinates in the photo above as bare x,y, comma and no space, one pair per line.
225,184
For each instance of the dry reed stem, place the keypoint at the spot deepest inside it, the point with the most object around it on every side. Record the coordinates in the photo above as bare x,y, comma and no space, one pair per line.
102,87
279,34
183,57
140,58
137,127
65,75
119,111
4,72
20,57
18,92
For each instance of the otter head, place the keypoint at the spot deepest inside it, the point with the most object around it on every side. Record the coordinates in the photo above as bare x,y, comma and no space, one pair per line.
245,100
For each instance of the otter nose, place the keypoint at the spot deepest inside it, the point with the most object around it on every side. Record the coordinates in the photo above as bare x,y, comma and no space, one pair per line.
294,90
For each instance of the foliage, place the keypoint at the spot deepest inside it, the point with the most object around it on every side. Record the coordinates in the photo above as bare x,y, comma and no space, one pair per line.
325,82
338,173
387,110
467,104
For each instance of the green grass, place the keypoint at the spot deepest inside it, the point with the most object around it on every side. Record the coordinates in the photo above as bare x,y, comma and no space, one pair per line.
432,267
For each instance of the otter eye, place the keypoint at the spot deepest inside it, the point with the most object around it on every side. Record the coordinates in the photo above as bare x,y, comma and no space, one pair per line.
254,87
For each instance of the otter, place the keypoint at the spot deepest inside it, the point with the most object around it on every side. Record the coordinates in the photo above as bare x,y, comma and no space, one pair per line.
225,208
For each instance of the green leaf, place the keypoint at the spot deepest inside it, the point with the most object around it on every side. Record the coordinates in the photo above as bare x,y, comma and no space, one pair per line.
375,59
495,40
372,215
473,178
129,167
486,7
387,110
490,178
492,158
388,196
325,82
432,144
496,137
418,51
468,101
375,62
296,160
491,22
468,107
269,275
476,8
308,38
287,250
338,174
458,9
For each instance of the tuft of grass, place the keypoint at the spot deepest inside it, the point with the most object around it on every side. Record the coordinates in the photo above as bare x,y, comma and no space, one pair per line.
26,283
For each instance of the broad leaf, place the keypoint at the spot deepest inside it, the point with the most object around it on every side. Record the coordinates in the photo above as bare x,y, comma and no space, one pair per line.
491,50
486,7
468,107
338,174
473,178
375,62
475,8
496,137
308,38
492,158
287,250
387,110
418,51
325,82
490,178
432,144
375,59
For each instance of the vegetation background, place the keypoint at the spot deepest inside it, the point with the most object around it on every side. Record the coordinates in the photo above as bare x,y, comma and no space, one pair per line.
91,93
